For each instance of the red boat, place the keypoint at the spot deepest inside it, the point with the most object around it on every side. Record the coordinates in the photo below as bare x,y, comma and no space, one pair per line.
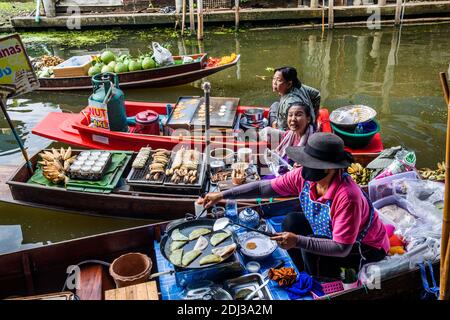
74,129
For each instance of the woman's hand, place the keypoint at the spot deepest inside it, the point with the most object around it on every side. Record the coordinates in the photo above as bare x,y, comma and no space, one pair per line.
275,124
210,199
286,240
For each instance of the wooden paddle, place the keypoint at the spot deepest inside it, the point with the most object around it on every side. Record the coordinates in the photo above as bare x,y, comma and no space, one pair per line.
445,248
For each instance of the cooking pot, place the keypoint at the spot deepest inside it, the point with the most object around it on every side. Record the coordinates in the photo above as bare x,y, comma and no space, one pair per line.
254,115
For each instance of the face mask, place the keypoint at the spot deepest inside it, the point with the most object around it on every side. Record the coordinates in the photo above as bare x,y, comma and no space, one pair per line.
315,175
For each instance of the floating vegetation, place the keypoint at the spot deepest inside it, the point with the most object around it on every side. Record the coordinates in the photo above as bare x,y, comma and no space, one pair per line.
72,38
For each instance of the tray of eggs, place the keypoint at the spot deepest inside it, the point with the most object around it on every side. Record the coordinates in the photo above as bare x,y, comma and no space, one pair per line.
90,165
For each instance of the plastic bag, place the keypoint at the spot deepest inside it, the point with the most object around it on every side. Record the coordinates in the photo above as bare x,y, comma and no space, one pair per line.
404,161
424,249
161,55
426,197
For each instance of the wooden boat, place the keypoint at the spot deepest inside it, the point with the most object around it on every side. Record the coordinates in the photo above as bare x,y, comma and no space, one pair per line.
74,129
43,270
122,202
155,78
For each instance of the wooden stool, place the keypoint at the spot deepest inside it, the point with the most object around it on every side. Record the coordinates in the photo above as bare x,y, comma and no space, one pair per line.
142,291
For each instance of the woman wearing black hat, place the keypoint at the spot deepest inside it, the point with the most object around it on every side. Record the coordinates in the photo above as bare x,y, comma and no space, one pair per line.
338,226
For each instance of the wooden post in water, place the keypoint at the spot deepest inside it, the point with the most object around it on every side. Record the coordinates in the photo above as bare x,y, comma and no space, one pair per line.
330,14
398,12
183,17
191,16
445,248
314,4
236,14
381,3
200,19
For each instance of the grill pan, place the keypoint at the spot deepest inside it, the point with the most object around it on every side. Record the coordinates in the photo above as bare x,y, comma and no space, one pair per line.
186,228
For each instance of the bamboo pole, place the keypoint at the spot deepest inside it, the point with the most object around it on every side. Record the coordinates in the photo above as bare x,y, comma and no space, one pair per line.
191,16
16,136
323,17
183,17
200,19
236,14
445,248
330,14
398,11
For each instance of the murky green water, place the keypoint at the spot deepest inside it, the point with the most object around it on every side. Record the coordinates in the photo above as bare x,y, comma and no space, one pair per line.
394,72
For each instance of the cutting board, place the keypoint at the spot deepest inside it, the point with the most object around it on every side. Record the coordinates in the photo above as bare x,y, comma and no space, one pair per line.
142,291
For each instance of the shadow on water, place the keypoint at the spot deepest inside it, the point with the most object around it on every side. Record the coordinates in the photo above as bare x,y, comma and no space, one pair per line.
395,73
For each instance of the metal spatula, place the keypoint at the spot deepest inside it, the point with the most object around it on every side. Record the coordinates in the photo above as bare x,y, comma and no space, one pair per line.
222,223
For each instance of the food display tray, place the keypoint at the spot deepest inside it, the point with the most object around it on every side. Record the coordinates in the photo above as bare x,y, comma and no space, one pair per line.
191,103
249,281
201,173
136,180
137,176
227,120
91,176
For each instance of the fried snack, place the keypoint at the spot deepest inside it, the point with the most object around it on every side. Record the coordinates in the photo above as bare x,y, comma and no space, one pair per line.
284,276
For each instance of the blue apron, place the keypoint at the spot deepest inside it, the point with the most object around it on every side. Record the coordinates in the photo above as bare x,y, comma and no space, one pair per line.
318,214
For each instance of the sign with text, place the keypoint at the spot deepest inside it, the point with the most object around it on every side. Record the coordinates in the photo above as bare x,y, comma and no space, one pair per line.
16,72
98,113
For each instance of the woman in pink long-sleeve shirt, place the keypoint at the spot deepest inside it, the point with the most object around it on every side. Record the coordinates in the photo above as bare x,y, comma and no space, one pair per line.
338,226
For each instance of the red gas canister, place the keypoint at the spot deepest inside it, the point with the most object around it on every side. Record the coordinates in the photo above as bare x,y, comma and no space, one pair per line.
147,122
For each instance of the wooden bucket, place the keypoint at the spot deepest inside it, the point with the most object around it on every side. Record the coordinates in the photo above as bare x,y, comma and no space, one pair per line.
130,269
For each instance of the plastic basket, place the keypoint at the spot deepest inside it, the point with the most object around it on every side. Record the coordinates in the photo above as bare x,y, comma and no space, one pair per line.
329,288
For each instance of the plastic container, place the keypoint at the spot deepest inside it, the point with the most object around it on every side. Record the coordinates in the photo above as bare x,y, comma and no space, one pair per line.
381,188
147,122
329,288
253,267
357,140
231,210
394,199
130,269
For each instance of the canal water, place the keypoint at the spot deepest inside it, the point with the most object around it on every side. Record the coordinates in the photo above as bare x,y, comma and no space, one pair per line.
393,70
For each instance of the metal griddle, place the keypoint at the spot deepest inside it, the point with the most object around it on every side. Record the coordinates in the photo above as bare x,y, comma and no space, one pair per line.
186,228
225,121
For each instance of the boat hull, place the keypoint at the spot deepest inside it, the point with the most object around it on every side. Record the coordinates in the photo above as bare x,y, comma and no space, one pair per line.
154,78
43,270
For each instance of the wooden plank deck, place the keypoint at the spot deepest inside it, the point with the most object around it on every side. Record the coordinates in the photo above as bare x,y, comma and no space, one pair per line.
143,291
5,173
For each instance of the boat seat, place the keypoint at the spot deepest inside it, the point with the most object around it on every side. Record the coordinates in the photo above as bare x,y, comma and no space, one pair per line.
94,281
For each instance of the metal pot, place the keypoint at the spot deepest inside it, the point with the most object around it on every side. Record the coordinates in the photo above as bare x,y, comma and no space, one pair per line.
254,115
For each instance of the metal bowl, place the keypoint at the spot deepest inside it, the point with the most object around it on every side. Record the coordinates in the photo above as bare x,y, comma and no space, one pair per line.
254,115
355,114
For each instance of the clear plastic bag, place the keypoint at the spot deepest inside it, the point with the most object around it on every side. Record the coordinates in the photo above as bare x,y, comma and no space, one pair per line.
161,55
420,250
426,197
404,161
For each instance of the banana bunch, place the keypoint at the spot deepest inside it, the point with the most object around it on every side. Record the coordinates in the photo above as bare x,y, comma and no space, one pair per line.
55,164
434,175
359,174
160,159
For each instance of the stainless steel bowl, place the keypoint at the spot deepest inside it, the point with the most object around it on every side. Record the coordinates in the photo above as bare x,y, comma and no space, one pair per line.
254,115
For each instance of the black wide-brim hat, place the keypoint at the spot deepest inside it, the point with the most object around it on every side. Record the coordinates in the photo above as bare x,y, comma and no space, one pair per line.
322,151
